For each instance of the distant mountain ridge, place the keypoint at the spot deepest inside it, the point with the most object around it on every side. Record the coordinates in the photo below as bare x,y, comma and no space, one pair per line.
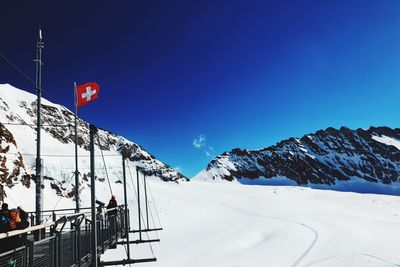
18,147
328,157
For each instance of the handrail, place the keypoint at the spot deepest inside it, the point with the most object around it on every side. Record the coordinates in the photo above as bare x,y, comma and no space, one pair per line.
107,210
70,217
116,208
87,208
71,209
38,227
51,247
26,230
42,226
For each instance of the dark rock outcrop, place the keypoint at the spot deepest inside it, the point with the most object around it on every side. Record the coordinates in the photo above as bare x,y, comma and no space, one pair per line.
324,157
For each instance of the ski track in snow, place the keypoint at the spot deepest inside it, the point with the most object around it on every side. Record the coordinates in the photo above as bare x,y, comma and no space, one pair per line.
314,241
352,258
380,259
315,233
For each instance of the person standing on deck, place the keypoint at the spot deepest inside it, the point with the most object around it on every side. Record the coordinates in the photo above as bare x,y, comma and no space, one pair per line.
112,204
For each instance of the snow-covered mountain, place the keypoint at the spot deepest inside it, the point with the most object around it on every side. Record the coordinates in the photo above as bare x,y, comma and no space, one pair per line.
18,148
351,160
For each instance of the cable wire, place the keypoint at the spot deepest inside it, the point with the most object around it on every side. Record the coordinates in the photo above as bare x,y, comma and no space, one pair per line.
61,155
14,66
17,69
155,207
105,166
34,125
59,199
154,204
141,214
151,213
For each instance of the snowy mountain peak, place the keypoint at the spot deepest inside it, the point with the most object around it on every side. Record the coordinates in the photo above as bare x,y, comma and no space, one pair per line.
332,158
18,147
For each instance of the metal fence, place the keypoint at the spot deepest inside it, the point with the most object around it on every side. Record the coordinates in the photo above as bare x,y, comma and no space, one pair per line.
69,247
17,257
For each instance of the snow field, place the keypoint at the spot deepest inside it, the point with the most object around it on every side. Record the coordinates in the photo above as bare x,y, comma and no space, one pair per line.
226,224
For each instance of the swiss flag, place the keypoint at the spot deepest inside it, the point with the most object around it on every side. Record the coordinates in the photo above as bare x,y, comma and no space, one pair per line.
86,92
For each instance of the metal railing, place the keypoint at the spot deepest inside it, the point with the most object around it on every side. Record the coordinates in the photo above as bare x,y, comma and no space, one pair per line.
66,241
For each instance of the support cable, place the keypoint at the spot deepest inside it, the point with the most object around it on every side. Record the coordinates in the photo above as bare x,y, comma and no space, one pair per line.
152,219
14,66
141,214
61,155
105,166
59,199
33,125
155,207
17,69
151,213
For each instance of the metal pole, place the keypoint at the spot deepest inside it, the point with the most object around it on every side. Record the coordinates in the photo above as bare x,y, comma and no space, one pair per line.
145,197
39,200
76,152
1,193
138,199
93,131
126,209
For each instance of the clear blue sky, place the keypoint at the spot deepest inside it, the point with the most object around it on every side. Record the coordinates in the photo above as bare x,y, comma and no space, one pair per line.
226,73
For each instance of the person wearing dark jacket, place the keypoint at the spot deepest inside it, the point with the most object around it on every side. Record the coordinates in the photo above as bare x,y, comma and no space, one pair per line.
14,223
112,214
24,218
112,204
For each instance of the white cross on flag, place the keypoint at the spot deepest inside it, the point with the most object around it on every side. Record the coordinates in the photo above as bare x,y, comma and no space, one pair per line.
86,92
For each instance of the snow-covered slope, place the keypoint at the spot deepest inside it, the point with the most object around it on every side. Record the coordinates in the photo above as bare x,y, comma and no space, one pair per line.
350,160
18,150
232,225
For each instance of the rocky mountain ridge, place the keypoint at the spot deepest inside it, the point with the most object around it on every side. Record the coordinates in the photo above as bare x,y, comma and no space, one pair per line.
327,157
18,147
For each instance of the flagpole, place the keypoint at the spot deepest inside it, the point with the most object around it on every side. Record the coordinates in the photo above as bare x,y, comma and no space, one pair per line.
76,151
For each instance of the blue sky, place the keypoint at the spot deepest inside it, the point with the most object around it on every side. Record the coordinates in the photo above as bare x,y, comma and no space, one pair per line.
189,80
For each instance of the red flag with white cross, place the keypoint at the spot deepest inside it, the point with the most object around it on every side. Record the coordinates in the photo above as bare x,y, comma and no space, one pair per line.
86,93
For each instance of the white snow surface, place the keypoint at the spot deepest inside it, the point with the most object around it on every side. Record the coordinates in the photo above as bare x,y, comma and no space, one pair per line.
232,225
387,140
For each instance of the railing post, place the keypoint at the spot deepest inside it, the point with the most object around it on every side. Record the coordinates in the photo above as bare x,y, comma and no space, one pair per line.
73,242
108,229
138,196
30,245
78,244
43,233
58,241
129,218
90,237
145,197
32,219
93,131
102,234
56,252
126,225
26,256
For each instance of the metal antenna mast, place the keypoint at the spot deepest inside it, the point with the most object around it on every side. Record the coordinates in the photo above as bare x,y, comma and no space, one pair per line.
38,60
76,152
